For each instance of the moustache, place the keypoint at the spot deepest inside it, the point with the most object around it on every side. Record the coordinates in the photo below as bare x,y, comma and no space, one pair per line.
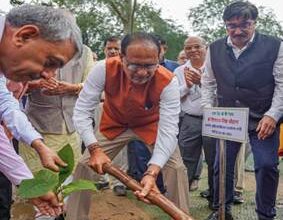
239,36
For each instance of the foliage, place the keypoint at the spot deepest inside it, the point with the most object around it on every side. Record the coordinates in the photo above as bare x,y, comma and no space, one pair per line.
99,19
67,155
206,20
46,180
16,2
43,181
76,186
149,19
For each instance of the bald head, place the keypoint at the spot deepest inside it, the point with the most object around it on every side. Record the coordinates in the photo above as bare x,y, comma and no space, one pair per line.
195,39
195,49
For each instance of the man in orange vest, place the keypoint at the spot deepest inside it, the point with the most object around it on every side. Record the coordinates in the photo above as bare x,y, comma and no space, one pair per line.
142,102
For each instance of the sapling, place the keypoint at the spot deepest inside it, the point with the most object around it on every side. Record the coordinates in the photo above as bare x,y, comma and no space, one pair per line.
46,180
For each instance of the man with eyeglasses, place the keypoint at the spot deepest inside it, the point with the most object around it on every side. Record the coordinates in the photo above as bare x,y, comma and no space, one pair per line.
246,68
142,102
191,141
138,154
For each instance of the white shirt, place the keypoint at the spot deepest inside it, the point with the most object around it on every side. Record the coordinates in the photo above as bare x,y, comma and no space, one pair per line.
10,111
238,51
209,85
12,164
190,97
89,100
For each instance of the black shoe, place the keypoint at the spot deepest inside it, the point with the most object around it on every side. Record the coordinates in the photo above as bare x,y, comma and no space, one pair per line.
210,205
120,190
214,216
60,217
205,194
102,185
238,198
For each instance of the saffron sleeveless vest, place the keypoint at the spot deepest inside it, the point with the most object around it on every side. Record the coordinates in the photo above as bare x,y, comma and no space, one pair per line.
132,106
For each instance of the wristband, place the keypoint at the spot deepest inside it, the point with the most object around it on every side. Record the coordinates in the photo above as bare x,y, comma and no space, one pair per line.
150,173
93,147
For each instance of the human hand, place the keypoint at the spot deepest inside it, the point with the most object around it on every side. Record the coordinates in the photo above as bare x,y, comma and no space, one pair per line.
48,204
48,84
265,127
192,76
149,184
63,88
97,159
48,157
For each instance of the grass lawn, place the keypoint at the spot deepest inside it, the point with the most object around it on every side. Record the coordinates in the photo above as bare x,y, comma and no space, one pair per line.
199,209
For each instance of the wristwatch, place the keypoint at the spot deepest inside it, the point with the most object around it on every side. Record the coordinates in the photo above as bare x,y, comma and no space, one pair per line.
93,147
151,173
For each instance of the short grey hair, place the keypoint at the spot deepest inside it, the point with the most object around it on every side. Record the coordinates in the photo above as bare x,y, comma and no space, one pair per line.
54,24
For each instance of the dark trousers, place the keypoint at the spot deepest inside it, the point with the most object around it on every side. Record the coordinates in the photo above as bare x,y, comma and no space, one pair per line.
5,197
266,173
138,157
191,143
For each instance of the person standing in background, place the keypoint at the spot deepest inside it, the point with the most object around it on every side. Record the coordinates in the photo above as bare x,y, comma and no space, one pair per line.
246,68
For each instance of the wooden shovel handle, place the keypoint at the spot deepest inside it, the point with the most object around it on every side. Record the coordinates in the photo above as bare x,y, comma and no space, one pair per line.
154,197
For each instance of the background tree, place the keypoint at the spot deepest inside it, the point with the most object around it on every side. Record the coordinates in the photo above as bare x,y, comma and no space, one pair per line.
99,19
206,20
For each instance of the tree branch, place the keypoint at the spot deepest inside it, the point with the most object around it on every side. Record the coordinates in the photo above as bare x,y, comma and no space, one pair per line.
117,11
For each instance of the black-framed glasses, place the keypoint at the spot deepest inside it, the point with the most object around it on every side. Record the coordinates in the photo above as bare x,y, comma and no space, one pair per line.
243,26
136,66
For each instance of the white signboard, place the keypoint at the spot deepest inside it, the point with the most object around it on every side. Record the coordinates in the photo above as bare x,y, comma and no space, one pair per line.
226,123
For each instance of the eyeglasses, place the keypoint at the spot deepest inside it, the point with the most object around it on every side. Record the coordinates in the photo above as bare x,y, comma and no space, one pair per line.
135,66
193,47
243,26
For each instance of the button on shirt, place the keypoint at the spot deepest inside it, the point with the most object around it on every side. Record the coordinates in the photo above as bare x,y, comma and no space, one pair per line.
89,100
190,97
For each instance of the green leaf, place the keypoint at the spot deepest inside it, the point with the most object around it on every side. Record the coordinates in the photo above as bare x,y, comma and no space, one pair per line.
43,181
77,186
67,155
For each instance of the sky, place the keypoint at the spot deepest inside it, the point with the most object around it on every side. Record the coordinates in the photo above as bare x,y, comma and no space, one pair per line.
178,9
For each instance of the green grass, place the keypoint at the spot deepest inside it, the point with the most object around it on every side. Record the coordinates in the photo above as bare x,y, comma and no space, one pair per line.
199,209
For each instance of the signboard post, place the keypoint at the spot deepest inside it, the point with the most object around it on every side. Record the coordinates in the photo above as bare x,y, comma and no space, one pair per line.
225,124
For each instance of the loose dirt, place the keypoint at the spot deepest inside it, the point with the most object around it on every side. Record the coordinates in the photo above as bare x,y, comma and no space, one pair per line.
107,206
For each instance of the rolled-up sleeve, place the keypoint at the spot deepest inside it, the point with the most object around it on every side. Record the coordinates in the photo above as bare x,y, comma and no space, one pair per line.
15,120
166,141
